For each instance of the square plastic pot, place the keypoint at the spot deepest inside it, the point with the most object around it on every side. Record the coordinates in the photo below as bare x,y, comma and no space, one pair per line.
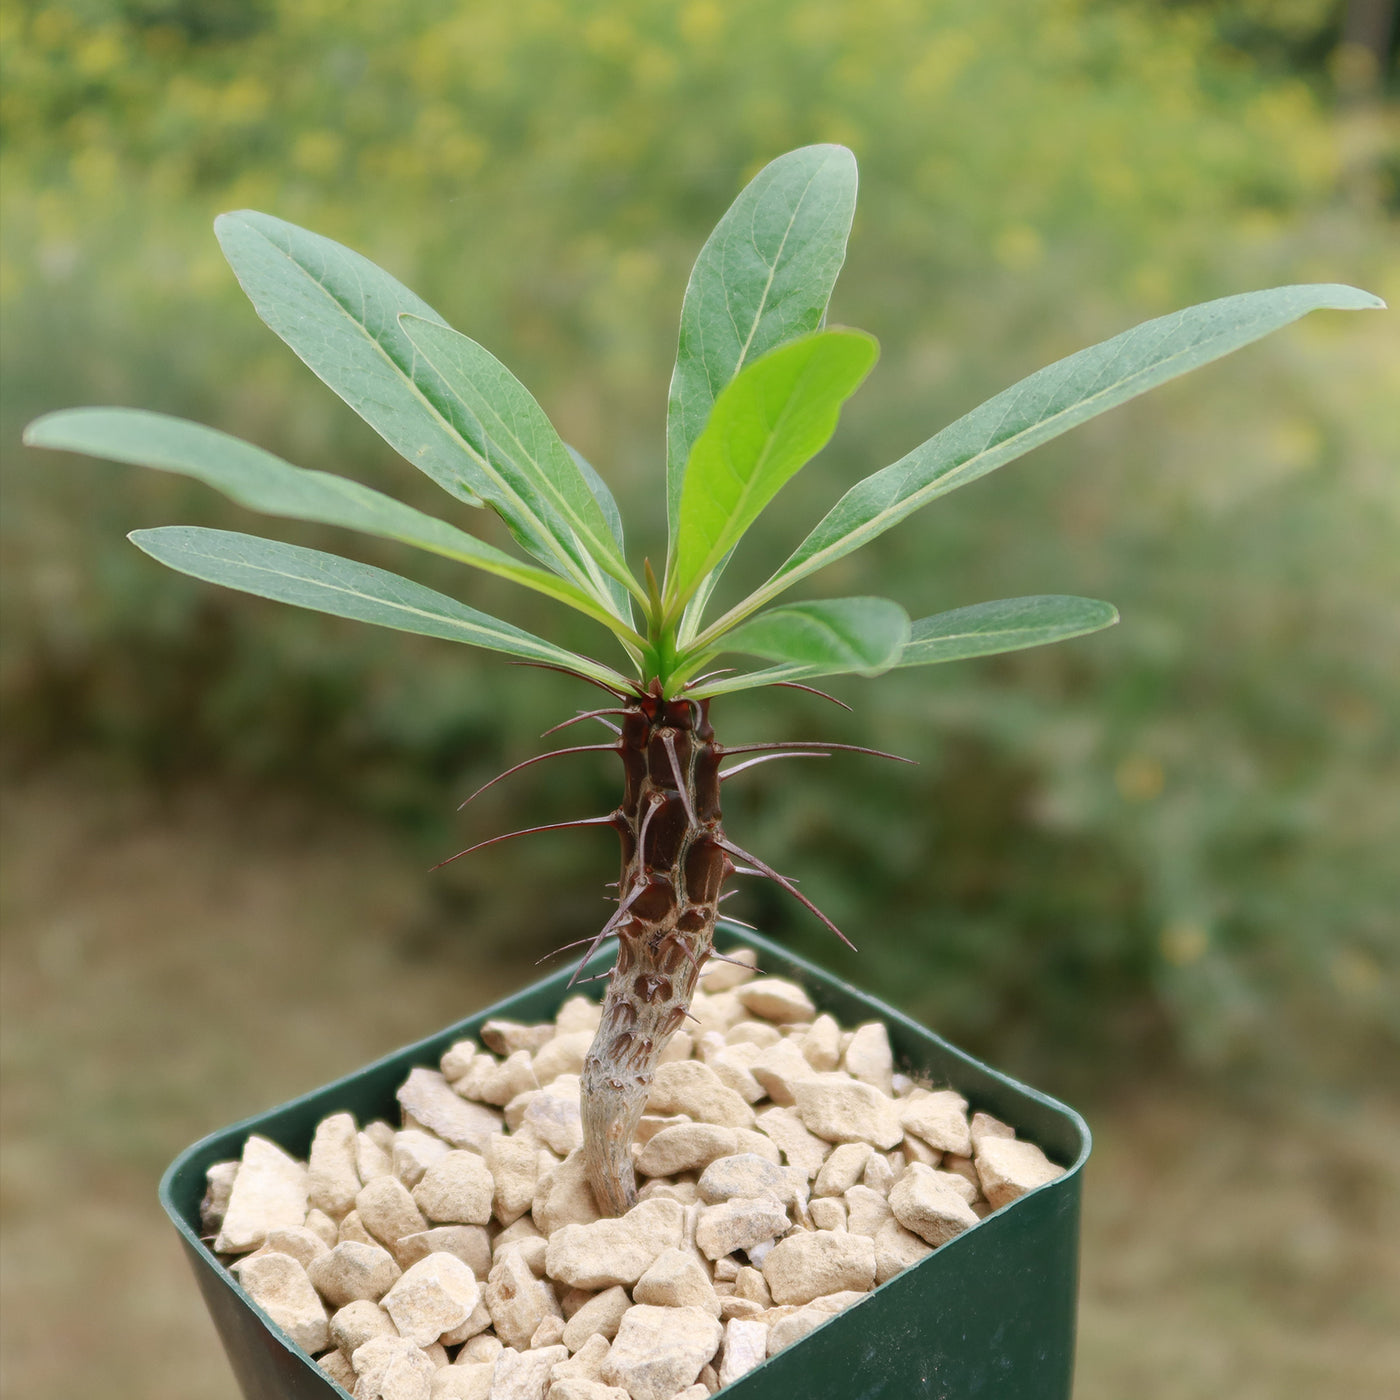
990,1314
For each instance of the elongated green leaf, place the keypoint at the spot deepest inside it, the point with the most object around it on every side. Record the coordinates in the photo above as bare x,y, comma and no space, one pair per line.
526,472
769,421
263,482
309,578
1009,624
608,505
827,637
1041,407
763,277
340,314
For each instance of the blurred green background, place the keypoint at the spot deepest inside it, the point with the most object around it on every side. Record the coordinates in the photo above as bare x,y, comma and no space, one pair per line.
1153,869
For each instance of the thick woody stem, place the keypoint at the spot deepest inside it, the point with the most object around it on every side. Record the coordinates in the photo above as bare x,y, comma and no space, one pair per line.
673,865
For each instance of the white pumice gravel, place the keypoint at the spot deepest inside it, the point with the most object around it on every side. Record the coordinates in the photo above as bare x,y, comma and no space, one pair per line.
786,1169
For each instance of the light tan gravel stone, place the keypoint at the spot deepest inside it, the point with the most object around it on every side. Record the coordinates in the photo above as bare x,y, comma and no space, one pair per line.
776,999
517,1300
822,1043
456,1190
686,1147
463,1383
550,1333
354,1324
388,1212
562,1055
790,1329
524,1375
333,1178
879,1175
715,1012
917,1150
337,1366
679,1047
924,1204
393,1368
1008,1168
843,1169
745,1346
564,1197
689,1087
939,1117
812,1263
800,1147
751,1284
579,1014
457,1059
662,1190
481,1072
428,1099
352,1271
841,1109
278,1284
896,1249
779,1069
741,1223
828,1213
522,1230
435,1296
745,1174
599,1316
506,1037
323,1227
268,1193
470,1243
677,1280
732,1306
553,1114
514,1164
759,1034
587,1363
869,1058
619,1251
751,1140
478,1322
352,1231
983,1125
381,1133
649,1124
414,1152
372,1158
514,1075
587,1390
218,1187
479,1349
866,1210
732,1065
659,1351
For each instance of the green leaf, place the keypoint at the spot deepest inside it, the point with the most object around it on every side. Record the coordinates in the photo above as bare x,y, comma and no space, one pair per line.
340,314
769,421
608,505
525,470
763,277
827,637
1041,407
262,482
309,578
1009,624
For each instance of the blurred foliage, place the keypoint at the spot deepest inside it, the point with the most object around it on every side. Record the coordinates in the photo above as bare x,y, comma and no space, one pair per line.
1175,839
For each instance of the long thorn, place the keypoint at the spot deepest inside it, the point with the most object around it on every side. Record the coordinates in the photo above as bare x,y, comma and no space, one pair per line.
668,739
540,758
813,744
609,820
812,690
607,929
766,758
577,943
709,676
583,714
577,675
737,962
785,883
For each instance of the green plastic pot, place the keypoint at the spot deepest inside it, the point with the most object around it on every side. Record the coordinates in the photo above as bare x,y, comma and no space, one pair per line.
990,1314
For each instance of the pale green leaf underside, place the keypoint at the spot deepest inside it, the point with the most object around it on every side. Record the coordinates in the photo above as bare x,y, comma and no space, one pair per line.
309,578
340,314
769,421
617,590
827,637
524,470
262,482
763,277
1043,406
984,629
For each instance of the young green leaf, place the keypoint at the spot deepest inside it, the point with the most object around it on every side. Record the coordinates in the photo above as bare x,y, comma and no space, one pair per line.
525,471
608,505
309,578
768,422
763,277
1009,624
828,637
340,314
1041,407
262,482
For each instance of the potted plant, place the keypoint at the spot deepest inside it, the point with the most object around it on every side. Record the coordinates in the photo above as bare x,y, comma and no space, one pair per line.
759,382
